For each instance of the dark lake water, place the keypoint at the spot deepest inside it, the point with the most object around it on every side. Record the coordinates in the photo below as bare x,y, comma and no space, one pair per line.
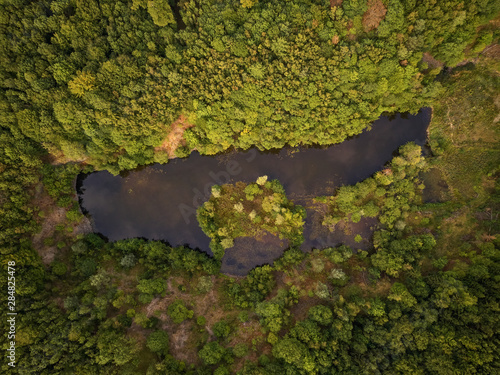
159,201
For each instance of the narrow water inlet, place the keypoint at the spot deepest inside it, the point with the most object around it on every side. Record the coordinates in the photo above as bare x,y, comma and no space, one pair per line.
159,202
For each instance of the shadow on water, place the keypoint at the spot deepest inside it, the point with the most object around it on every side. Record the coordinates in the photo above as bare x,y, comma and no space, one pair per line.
174,5
159,201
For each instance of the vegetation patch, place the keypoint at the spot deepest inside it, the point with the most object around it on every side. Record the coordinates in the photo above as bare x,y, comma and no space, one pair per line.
464,132
388,195
249,210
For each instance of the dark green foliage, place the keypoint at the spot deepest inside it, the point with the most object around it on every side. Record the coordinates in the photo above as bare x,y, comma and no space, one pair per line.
422,325
392,254
338,254
59,268
212,353
240,350
178,311
254,288
290,257
158,342
19,165
114,348
59,181
221,329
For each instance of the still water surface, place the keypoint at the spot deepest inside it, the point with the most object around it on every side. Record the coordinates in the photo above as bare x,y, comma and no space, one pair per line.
159,201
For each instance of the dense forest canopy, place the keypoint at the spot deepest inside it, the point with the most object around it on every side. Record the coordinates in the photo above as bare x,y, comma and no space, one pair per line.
103,81
113,85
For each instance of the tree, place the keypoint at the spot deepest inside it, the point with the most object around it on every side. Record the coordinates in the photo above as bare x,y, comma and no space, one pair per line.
212,353
294,353
114,347
158,342
321,314
160,12
221,329
82,83
178,311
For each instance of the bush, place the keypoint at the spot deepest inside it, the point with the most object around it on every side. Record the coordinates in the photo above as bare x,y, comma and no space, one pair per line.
59,268
290,257
317,265
128,261
254,288
221,329
338,277
178,312
321,314
339,254
212,353
240,350
158,342
261,180
205,284
321,290
243,316
152,286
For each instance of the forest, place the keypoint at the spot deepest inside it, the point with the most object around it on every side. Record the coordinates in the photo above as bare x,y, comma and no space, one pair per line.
89,85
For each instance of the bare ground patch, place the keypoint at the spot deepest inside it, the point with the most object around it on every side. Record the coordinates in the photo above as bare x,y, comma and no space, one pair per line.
51,215
185,337
54,216
432,63
175,137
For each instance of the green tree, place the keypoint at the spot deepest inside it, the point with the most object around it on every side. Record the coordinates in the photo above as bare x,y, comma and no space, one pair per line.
212,353
178,311
158,342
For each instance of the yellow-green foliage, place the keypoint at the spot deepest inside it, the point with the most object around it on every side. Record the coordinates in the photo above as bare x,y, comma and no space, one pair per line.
250,210
102,81
387,195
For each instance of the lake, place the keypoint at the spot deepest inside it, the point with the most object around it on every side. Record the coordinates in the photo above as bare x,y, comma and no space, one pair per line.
159,201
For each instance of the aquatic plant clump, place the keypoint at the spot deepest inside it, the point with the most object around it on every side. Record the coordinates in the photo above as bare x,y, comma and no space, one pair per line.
240,209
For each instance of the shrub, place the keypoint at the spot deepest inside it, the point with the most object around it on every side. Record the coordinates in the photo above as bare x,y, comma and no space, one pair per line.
212,353
321,314
243,316
317,265
178,311
261,180
205,284
59,268
321,290
240,350
128,261
221,329
158,342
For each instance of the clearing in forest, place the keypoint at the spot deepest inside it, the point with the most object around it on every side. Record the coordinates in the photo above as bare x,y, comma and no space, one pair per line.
175,136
